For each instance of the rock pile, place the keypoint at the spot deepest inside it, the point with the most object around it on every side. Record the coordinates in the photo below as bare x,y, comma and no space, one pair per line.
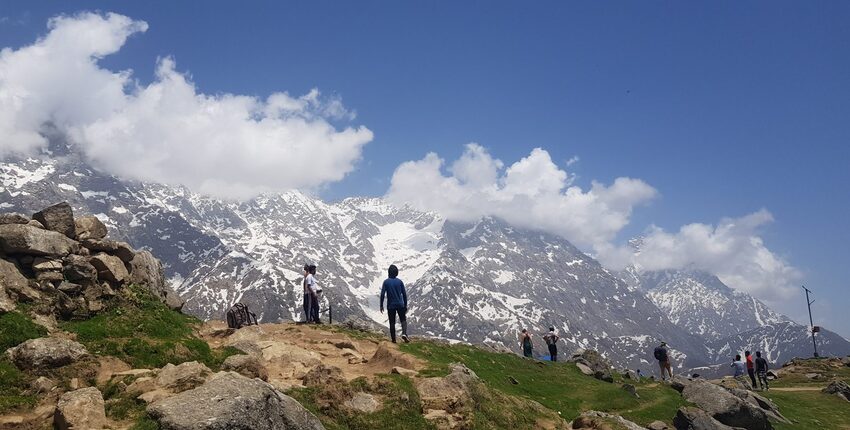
592,363
67,268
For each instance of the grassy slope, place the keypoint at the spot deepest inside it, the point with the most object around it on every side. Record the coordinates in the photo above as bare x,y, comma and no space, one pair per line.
15,328
558,386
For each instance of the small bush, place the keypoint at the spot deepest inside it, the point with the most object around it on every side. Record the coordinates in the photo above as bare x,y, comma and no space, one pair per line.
13,382
15,328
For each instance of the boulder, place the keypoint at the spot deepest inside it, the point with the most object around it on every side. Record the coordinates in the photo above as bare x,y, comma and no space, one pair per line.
631,374
594,361
846,361
12,218
121,250
770,408
182,377
451,393
11,281
41,264
690,418
603,420
80,409
679,384
70,288
322,375
49,277
629,388
68,307
658,425
173,300
362,402
46,353
89,227
230,401
404,372
838,388
109,268
146,270
78,269
59,218
246,365
725,406
25,239
36,224
43,385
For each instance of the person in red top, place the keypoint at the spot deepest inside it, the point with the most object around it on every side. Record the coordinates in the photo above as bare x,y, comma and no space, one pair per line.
751,368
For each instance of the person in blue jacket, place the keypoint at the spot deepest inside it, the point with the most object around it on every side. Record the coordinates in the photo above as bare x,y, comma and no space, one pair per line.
396,296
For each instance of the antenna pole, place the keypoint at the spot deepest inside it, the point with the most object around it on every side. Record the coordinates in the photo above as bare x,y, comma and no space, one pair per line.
811,322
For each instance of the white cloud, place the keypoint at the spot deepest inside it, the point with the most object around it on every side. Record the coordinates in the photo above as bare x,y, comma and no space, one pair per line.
732,250
533,193
225,145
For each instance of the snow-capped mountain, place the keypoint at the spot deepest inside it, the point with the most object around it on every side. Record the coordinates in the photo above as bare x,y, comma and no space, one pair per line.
730,321
479,282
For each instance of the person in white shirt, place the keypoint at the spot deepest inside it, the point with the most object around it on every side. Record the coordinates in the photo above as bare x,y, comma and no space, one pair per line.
315,294
308,296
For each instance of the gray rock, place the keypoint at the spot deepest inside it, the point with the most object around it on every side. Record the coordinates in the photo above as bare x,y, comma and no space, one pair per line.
182,377
70,288
80,409
846,361
59,218
362,402
839,388
109,268
25,239
146,270
246,365
594,361
765,404
11,282
121,250
36,224
41,264
725,406
49,277
590,419
89,227
631,390
78,269
658,425
12,218
230,401
173,300
679,384
690,418
46,353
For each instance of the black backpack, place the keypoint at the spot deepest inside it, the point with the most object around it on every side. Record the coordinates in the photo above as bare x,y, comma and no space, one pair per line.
660,354
239,316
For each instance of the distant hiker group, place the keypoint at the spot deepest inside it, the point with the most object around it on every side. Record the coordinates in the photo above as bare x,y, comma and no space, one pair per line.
755,369
551,338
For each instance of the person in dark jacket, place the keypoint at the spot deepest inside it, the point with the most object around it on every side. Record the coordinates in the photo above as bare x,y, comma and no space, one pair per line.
662,354
761,371
393,289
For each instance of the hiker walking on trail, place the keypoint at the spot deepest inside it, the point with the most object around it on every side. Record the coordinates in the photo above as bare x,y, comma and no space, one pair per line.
761,371
315,294
662,354
551,339
751,368
525,343
393,289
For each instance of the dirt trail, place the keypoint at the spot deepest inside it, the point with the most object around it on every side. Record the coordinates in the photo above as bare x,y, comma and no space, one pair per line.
290,350
796,389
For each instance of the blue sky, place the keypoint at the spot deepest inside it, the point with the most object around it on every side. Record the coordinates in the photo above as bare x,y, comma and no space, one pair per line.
725,108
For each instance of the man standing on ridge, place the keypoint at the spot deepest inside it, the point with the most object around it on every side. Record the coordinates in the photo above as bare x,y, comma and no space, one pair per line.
393,289
761,371
751,368
315,294
663,356
526,344
308,296
551,339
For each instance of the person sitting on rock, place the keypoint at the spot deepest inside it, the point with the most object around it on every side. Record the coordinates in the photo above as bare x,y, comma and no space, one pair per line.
393,289
525,343
551,339
761,371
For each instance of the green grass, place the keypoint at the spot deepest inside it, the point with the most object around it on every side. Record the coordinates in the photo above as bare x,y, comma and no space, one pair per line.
16,327
811,410
145,333
13,384
558,386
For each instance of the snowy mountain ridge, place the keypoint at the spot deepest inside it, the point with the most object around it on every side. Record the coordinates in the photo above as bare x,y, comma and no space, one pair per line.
476,282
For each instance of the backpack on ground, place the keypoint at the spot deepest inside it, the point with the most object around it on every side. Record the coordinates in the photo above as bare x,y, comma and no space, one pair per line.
239,316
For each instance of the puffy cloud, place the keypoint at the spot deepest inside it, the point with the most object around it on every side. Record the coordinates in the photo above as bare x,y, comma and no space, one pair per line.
225,145
533,193
732,250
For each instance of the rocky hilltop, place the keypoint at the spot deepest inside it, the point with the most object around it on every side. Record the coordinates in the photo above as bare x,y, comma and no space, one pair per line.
93,338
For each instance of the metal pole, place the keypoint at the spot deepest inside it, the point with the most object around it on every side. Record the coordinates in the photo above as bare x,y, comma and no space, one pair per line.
811,322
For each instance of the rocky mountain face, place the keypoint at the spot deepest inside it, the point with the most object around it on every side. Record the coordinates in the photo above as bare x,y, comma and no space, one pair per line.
730,321
478,282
